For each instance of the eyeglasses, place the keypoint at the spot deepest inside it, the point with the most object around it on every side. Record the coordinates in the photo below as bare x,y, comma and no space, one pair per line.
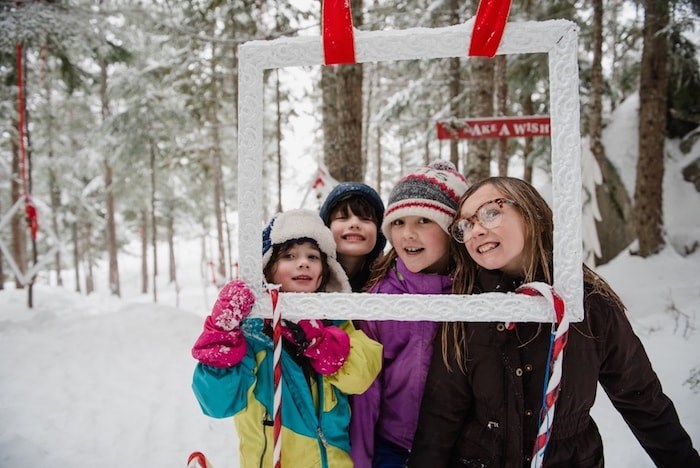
489,215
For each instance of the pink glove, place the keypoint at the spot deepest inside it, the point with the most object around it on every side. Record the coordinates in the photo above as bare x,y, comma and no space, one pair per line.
222,344
328,347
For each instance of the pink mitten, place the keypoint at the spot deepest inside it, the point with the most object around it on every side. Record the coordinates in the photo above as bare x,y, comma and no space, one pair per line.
328,347
222,344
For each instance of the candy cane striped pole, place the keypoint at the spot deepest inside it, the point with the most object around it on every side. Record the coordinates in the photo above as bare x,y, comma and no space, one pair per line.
277,375
553,378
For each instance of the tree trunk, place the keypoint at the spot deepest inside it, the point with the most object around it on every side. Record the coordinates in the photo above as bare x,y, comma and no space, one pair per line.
111,228
278,137
54,191
154,228
89,277
32,239
528,109
329,115
379,160
502,102
2,272
216,170
343,156
17,230
481,105
371,73
615,230
456,109
143,233
171,254
172,270
76,249
595,117
648,192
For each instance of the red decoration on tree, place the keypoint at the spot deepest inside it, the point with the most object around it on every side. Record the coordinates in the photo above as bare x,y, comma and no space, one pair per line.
29,208
32,218
338,35
491,18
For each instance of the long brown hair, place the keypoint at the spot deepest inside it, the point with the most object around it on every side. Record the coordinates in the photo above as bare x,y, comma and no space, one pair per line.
382,266
539,245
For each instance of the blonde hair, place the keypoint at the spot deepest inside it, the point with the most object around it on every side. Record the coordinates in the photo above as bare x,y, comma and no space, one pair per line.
539,245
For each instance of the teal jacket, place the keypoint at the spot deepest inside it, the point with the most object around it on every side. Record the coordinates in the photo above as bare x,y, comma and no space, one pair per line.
315,412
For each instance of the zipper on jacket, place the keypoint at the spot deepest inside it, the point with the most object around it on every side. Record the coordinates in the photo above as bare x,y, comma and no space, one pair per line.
266,421
321,436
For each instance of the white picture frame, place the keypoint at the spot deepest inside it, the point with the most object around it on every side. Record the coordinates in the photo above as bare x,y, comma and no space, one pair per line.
557,38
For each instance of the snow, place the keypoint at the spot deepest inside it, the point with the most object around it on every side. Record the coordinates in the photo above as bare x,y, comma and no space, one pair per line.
95,380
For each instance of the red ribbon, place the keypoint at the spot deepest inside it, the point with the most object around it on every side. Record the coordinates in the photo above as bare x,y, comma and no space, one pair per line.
491,18
338,35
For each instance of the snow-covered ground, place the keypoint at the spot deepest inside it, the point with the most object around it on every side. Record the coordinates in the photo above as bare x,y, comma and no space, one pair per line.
96,381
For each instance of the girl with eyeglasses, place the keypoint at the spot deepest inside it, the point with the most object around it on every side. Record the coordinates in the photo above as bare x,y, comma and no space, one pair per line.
484,392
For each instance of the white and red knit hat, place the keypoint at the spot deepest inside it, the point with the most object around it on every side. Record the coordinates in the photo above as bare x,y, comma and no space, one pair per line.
431,192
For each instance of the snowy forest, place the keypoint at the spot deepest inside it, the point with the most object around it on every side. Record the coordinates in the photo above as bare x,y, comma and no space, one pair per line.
119,121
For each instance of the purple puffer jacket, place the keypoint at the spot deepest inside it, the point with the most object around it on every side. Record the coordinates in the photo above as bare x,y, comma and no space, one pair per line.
390,406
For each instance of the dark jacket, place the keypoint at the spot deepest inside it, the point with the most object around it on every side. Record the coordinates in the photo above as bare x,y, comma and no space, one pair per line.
489,417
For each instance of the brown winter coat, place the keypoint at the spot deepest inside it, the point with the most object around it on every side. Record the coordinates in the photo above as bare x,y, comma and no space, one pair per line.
489,418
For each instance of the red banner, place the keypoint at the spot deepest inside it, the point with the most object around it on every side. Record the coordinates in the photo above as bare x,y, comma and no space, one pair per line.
494,127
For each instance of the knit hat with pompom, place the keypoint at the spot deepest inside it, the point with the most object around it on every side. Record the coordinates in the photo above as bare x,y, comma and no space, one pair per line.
431,192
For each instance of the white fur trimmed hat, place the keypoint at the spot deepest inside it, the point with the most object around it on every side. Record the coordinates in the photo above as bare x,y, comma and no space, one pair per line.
431,192
306,224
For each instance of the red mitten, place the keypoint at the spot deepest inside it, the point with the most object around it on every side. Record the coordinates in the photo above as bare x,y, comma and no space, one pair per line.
221,344
328,347
234,303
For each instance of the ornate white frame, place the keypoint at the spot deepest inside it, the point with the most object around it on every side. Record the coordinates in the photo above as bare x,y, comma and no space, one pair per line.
557,38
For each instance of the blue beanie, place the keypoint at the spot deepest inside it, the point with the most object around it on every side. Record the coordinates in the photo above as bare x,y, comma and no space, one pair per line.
346,189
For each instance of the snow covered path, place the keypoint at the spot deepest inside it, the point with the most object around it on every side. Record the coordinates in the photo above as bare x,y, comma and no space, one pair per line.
110,390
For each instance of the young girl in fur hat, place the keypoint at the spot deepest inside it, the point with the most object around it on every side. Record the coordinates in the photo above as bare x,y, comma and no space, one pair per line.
416,222
322,362
354,212
484,393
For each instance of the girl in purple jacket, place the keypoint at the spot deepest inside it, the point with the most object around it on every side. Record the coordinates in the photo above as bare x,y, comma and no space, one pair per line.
416,222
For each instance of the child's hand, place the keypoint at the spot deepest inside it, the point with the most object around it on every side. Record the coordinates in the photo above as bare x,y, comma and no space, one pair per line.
222,344
234,303
328,347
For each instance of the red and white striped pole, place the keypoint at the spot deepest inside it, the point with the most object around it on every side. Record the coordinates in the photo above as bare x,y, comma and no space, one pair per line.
273,289
560,332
